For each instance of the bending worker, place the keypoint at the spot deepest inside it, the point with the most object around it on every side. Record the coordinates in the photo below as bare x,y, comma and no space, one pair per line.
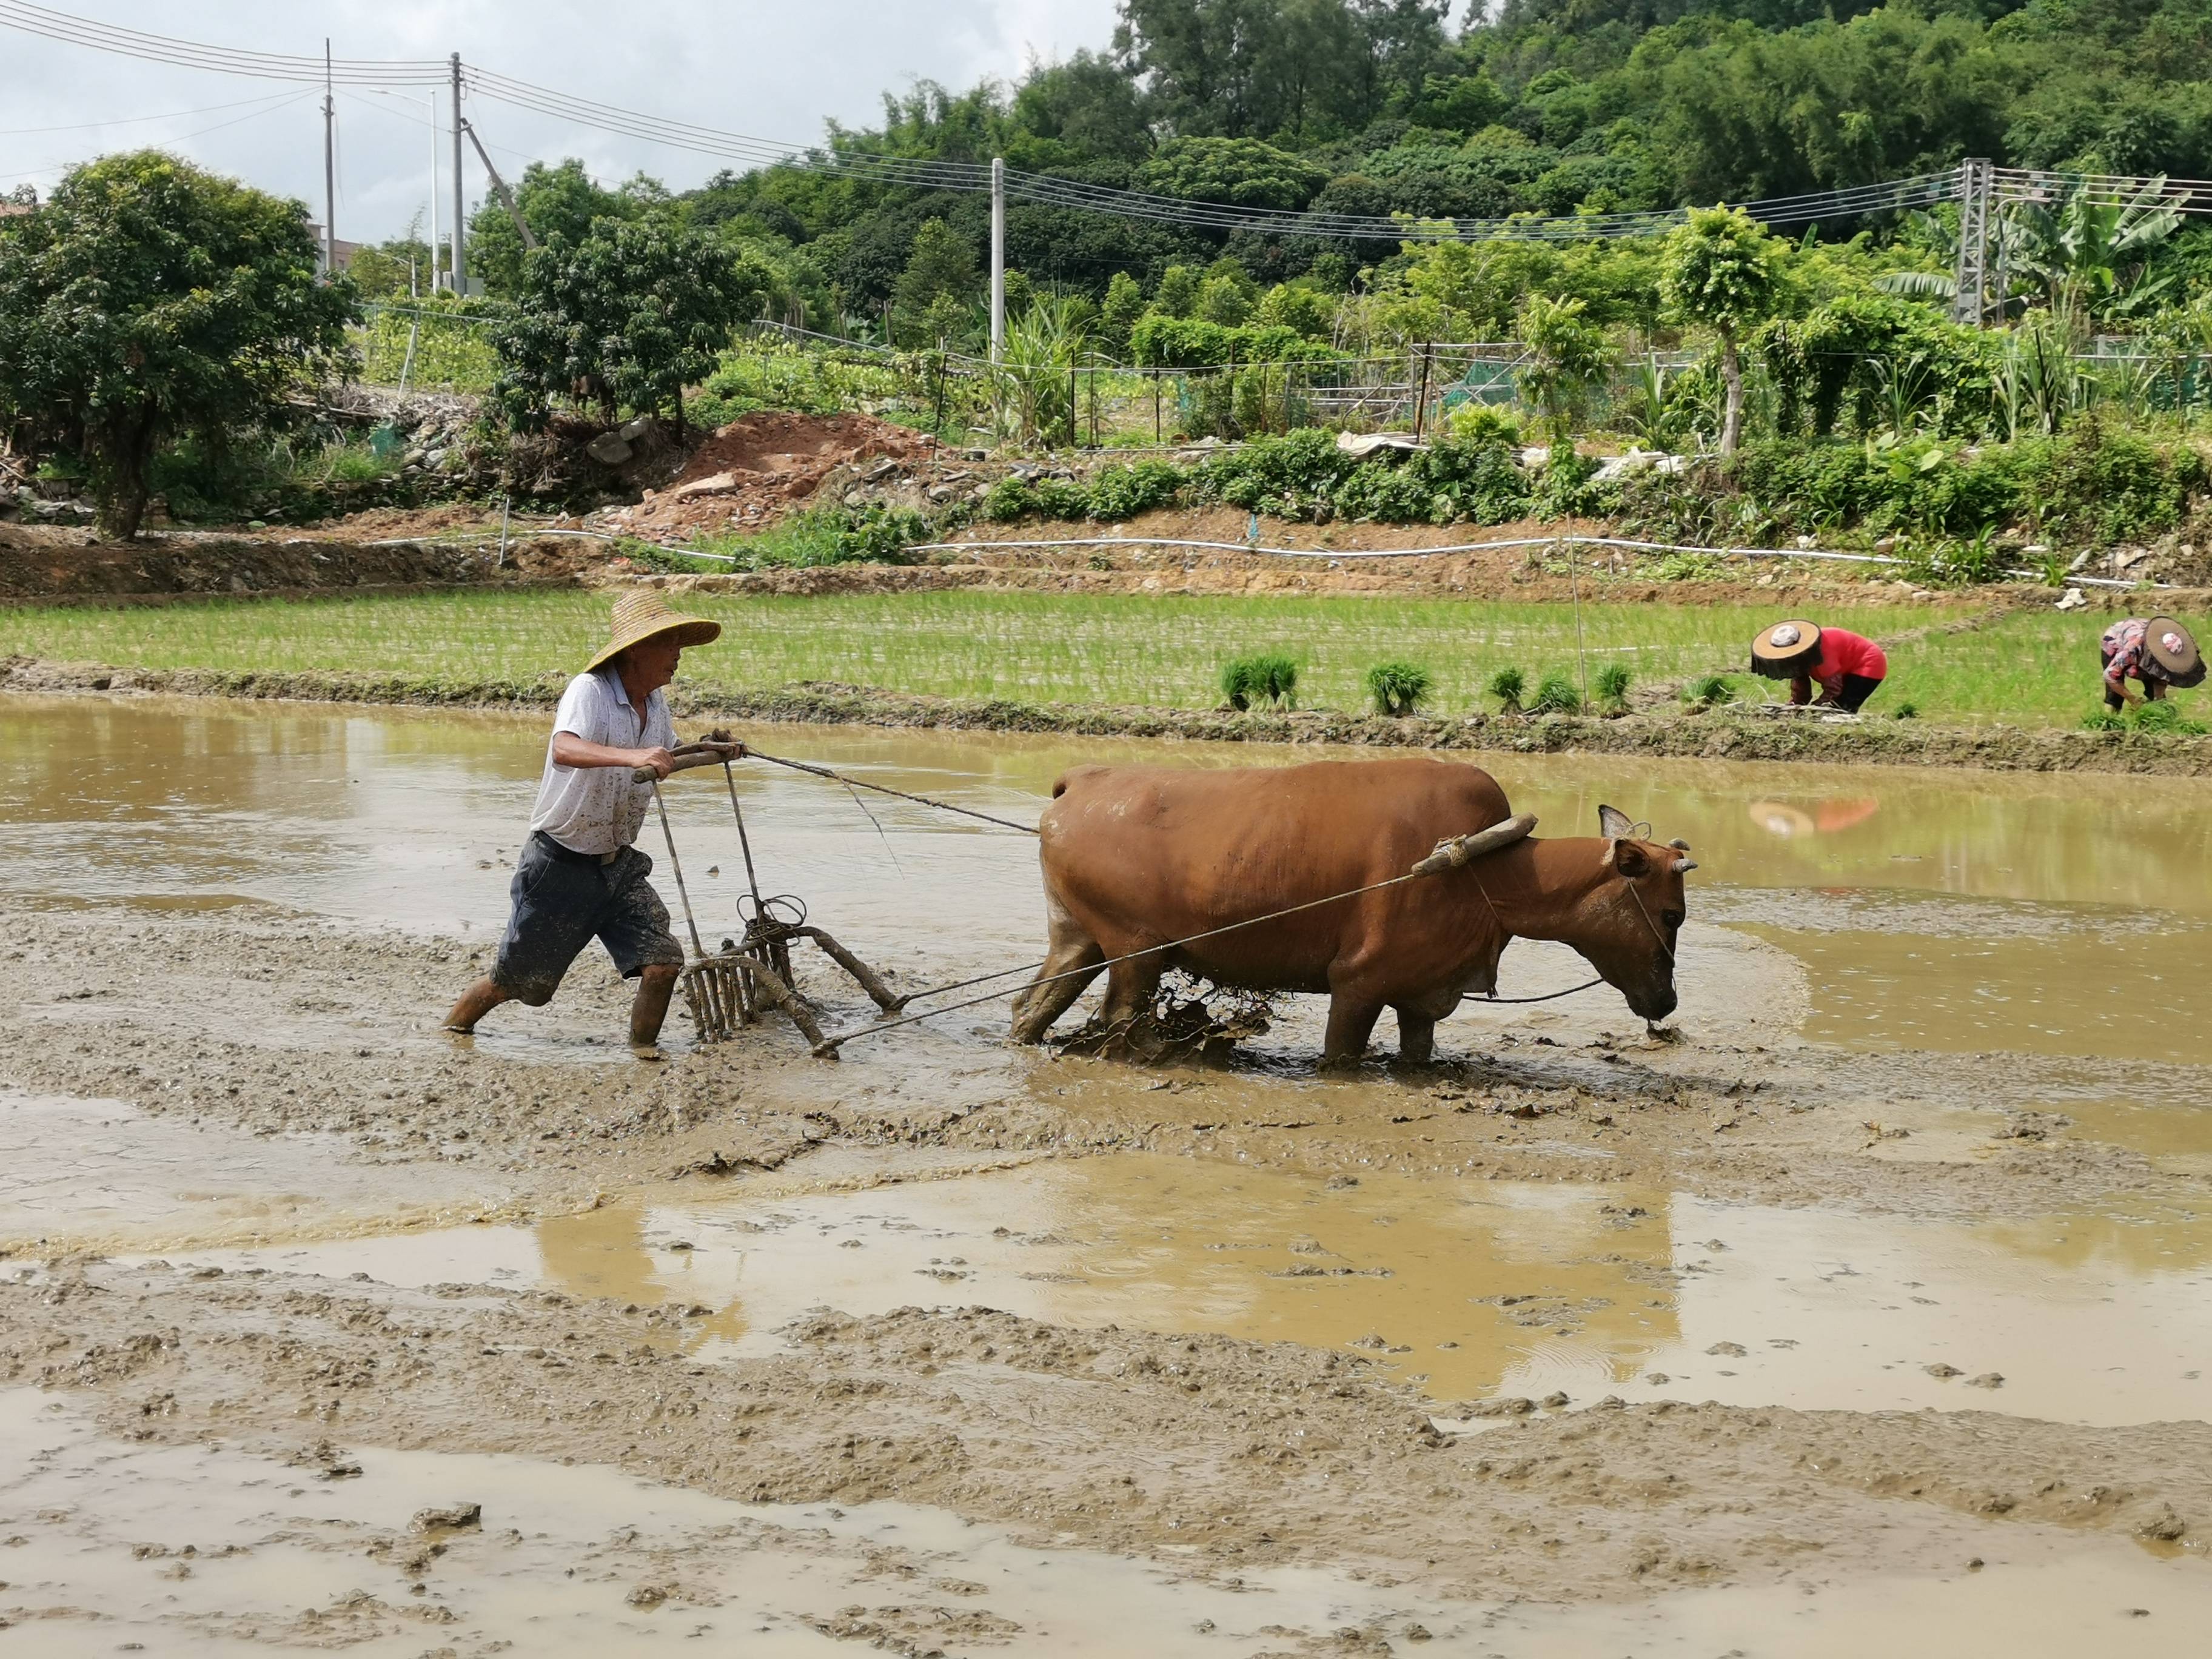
1849,667
2157,651
580,876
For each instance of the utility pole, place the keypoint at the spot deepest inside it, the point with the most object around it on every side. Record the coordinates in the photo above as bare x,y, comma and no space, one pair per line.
998,257
329,171
498,187
433,102
460,264
1972,274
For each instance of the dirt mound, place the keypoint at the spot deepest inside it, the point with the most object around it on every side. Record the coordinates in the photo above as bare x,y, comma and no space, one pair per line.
756,470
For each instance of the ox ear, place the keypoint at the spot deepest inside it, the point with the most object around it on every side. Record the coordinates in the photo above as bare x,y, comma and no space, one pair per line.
1628,858
1615,824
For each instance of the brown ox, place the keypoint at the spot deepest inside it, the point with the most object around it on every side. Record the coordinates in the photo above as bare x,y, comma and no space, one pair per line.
1135,857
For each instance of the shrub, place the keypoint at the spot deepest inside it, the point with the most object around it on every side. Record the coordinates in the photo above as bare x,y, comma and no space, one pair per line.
1122,492
1612,685
1398,687
1556,695
1270,475
1008,500
1710,690
876,534
1061,498
1506,685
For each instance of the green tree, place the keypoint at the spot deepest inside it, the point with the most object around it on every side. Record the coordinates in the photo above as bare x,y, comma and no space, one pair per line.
1721,270
1310,314
150,300
1237,172
624,319
1223,302
1125,303
1567,355
1178,293
941,267
557,201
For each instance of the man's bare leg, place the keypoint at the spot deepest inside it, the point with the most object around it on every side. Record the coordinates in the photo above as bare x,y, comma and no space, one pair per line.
655,985
479,1000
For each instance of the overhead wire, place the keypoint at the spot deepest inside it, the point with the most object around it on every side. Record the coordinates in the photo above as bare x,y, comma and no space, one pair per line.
226,60
140,120
2189,196
288,101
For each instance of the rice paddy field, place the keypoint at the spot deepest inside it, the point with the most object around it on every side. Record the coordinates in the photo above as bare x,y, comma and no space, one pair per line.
2028,668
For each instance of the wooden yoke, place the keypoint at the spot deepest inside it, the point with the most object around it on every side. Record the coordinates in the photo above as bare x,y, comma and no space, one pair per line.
1456,851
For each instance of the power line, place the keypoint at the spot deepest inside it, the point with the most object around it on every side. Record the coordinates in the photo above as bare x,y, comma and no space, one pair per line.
227,60
286,102
1925,190
140,120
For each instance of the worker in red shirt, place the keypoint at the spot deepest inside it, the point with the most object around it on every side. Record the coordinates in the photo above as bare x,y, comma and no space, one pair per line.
1848,666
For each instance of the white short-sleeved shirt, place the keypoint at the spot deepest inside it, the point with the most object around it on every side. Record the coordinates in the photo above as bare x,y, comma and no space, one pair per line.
598,808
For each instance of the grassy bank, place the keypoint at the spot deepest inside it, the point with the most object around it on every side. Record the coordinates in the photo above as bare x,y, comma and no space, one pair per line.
2035,668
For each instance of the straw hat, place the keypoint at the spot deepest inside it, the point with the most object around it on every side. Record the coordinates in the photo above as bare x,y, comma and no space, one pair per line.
640,614
2167,643
1785,650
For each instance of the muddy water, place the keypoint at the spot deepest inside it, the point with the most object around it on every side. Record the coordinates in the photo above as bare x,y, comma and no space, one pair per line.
1498,1290
195,1550
2052,917
1946,935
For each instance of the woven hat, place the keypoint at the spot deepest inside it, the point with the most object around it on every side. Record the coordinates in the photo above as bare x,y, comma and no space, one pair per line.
2168,643
1786,649
640,614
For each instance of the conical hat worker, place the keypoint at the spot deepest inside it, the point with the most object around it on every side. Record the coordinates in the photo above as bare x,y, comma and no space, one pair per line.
580,876
2156,652
1848,667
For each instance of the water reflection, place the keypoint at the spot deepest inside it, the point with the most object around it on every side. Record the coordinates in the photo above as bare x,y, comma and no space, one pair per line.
412,818
1825,817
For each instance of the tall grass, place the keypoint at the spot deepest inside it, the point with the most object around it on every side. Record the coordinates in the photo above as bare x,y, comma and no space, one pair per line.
2032,668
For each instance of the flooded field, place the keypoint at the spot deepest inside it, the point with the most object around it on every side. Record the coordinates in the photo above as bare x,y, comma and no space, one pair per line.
1890,1256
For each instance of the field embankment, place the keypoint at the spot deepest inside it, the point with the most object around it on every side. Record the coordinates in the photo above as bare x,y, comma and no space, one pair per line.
1752,732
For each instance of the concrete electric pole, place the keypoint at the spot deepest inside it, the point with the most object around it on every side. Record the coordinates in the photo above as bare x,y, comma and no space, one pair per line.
460,262
997,257
329,171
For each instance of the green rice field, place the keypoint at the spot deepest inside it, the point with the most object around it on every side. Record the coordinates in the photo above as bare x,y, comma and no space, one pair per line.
2030,668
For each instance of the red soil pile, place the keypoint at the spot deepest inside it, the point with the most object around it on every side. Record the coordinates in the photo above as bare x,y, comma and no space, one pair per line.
756,470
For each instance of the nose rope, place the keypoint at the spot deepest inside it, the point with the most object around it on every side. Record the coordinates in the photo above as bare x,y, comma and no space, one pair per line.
1661,938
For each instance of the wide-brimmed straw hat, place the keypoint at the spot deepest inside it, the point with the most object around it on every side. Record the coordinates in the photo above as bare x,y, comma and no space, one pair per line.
642,613
1782,650
2168,644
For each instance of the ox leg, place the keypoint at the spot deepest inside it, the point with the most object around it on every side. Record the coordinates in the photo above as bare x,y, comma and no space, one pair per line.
1069,951
1416,1025
1131,986
1417,1039
1350,1024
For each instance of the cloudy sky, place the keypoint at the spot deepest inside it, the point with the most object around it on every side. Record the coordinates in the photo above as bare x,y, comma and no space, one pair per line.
772,68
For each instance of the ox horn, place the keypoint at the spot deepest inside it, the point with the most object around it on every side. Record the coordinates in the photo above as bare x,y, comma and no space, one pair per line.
1683,866
1456,851
1680,845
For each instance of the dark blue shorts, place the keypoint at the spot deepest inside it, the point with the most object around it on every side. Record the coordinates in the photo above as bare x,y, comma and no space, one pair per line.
561,903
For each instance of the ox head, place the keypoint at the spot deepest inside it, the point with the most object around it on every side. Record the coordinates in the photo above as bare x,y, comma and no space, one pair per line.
1634,914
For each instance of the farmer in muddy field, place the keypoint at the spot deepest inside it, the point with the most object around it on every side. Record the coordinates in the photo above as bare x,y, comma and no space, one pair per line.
580,877
1848,667
2156,652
